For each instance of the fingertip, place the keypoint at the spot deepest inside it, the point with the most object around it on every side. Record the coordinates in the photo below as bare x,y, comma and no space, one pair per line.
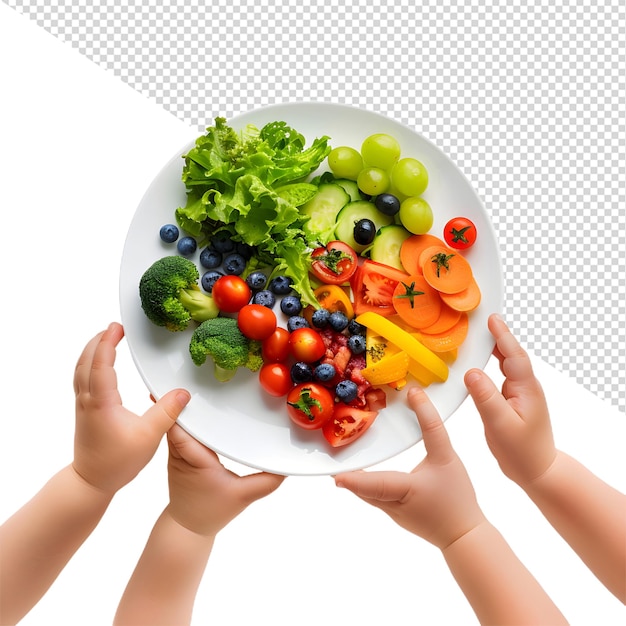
472,377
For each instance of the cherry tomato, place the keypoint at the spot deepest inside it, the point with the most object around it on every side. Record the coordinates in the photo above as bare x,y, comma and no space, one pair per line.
347,424
275,379
231,293
275,349
310,405
256,321
460,233
306,344
335,263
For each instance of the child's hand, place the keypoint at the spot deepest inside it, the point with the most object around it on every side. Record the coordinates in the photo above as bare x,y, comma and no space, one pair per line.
517,422
204,495
111,444
436,500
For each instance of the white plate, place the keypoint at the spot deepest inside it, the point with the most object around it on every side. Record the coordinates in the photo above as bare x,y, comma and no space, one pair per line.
237,419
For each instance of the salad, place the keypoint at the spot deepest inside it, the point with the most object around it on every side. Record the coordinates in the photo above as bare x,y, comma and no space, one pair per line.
329,286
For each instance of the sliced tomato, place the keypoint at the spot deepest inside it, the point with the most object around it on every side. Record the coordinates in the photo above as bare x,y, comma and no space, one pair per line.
373,287
335,263
347,424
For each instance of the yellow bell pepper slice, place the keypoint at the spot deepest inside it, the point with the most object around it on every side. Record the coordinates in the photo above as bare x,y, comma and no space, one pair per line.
419,354
388,370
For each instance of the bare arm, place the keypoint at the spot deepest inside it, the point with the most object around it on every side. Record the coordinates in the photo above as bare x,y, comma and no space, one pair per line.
204,497
436,501
588,513
111,446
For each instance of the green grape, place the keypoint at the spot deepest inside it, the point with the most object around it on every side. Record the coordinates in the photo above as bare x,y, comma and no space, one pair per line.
345,162
380,150
416,215
409,177
373,180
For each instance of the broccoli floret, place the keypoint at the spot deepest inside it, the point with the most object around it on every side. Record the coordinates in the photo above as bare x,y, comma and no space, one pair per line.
170,295
221,339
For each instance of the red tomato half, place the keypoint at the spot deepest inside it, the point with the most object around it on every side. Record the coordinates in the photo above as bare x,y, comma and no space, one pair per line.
231,293
256,321
335,263
347,425
460,233
275,379
310,405
307,345
373,285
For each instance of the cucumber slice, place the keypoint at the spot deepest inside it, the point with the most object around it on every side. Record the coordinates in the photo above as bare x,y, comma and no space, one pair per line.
351,188
386,245
352,213
322,211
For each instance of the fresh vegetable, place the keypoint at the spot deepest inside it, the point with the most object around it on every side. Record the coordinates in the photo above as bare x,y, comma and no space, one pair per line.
447,271
275,379
256,321
231,293
466,300
330,299
276,347
388,369
309,405
373,285
460,233
416,302
411,249
249,183
221,339
449,339
405,341
305,344
334,263
321,212
387,244
170,295
350,214
448,317
347,424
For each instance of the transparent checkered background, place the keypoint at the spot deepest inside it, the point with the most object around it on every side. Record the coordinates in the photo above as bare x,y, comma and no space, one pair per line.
528,98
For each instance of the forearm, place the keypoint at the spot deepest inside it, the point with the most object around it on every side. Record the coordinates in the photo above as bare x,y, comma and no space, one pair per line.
163,587
589,514
38,540
496,584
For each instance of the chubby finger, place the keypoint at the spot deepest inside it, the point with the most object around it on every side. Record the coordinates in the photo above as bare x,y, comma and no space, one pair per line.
102,376
375,486
514,360
162,415
256,486
490,403
434,434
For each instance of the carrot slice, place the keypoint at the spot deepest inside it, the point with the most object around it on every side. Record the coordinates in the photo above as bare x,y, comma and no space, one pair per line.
447,271
448,340
466,300
428,252
412,248
416,302
448,317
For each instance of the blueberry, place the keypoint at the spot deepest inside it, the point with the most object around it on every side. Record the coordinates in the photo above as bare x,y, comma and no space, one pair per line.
169,233
295,322
364,232
234,264
187,246
356,343
338,321
387,203
208,279
354,328
320,318
246,250
223,243
346,390
324,372
301,372
291,305
280,285
256,280
265,298
210,259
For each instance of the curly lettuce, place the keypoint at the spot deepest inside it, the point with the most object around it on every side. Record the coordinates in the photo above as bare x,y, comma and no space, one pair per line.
251,183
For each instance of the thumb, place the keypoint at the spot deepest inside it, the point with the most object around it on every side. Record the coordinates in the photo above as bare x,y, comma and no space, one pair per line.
256,486
164,413
494,410
375,487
